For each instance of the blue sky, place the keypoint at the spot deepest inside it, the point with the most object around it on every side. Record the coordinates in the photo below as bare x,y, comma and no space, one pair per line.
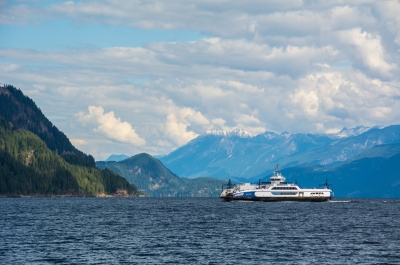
149,76
63,34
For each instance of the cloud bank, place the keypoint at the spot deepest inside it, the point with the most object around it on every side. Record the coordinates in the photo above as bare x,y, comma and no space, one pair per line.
297,66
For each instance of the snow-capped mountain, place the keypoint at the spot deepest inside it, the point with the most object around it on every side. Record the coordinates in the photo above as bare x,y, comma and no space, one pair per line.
348,132
217,154
273,135
234,132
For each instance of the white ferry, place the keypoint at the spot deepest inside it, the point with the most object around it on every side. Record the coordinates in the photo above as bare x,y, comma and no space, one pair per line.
275,190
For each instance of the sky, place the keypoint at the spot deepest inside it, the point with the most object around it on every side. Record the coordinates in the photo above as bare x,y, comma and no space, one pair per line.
126,77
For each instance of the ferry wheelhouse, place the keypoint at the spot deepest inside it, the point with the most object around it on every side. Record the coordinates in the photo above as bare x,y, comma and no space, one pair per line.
277,189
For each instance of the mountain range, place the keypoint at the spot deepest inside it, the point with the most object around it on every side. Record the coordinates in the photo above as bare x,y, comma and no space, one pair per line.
373,173
226,155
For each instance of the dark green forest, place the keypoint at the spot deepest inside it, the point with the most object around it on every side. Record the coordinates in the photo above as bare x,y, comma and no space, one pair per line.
37,159
23,113
28,167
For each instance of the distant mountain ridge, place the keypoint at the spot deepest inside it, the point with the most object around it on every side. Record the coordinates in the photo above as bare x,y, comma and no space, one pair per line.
372,175
345,132
221,156
116,158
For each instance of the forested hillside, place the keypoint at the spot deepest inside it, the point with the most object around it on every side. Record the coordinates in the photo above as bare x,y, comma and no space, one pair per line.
37,159
28,167
150,175
22,113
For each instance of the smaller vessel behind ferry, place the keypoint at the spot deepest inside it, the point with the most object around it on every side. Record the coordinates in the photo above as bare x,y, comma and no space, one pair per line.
227,191
277,189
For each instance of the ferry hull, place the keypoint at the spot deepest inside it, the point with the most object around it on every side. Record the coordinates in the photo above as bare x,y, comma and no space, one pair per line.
227,198
280,199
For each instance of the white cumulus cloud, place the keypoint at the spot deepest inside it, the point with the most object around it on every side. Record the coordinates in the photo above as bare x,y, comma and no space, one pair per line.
178,123
370,50
110,126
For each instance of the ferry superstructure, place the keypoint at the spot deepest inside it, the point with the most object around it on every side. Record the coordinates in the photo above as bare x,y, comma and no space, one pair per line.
277,189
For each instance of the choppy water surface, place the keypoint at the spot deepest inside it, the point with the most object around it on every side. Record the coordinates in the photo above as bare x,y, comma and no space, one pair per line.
197,231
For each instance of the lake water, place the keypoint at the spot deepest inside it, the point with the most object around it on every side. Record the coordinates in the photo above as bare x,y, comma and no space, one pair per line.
198,231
